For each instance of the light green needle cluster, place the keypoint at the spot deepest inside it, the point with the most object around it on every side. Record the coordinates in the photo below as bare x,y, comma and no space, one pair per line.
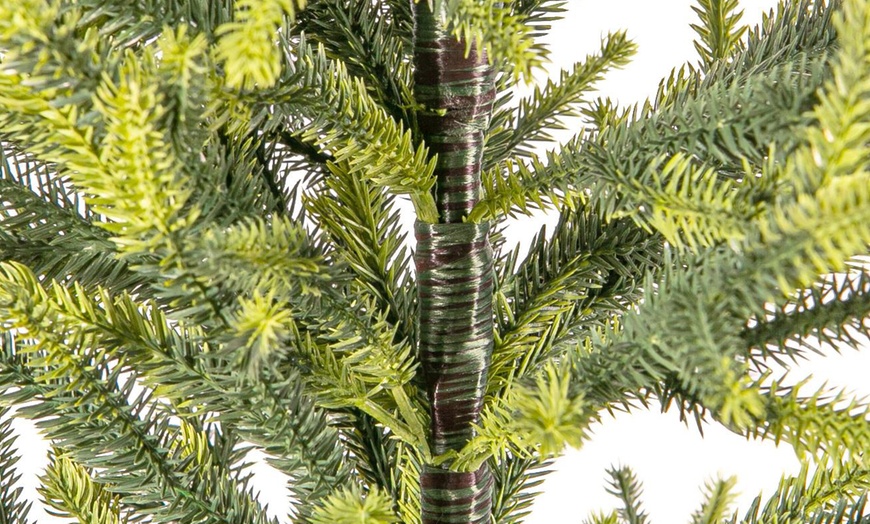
719,495
246,45
538,419
71,492
137,187
495,28
824,224
352,507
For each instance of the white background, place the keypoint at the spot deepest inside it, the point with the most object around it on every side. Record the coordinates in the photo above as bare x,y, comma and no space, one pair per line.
670,458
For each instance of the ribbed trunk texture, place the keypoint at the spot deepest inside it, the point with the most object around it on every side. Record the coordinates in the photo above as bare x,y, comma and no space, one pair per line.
454,263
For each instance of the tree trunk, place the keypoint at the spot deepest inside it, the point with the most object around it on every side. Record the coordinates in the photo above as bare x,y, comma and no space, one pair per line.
454,263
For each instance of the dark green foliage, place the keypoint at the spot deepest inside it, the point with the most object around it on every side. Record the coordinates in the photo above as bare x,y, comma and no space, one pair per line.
625,486
781,67
831,312
118,432
514,131
821,498
270,413
373,42
517,479
47,225
718,29
567,287
363,224
13,507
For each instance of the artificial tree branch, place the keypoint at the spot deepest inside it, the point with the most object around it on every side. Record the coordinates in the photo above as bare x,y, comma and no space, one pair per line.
296,145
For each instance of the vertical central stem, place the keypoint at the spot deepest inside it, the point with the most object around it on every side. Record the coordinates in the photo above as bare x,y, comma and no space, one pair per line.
454,281
454,90
454,86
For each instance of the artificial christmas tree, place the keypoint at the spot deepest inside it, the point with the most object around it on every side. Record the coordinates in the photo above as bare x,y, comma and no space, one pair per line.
202,253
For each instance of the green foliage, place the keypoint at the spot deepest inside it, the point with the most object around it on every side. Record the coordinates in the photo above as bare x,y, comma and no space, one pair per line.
807,228
13,507
341,116
568,286
273,414
823,498
718,497
68,489
83,386
133,180
539,419
719,32
625,486
722,120
351,507
603,518
689,206
820,498
539,15
354,364
362,221
281,253
516,478
839,424
494,27
699,359
513,131
407,476
202,253
261,324
42,215
373,46
247,44
829,313
547,415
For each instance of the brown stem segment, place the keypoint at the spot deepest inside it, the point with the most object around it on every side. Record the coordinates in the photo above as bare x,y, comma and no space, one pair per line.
455,91
454,278
454,282
450,497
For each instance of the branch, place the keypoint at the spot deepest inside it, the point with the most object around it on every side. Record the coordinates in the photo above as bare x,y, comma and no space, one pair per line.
304,149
